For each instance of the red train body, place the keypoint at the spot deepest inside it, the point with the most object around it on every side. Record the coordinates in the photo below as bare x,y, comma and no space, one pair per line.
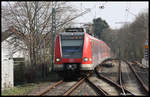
79,51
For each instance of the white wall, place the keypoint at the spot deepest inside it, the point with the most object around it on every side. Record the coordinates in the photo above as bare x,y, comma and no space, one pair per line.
7,70
7,78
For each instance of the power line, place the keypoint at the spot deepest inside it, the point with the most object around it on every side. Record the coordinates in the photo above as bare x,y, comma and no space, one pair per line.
90,9
125,14
81,6
130,12
103,5
95,12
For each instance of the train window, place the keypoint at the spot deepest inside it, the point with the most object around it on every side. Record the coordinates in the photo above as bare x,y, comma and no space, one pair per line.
67,37
104,50
101,46
92,44
72,48
93,48
74,30
71,42
97,46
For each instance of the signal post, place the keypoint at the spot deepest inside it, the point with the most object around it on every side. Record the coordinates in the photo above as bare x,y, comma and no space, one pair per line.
145,60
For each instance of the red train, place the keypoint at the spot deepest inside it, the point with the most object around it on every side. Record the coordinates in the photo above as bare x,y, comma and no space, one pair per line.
75,50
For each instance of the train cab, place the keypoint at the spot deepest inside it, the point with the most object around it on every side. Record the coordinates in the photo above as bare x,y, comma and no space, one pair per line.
75,50
69,49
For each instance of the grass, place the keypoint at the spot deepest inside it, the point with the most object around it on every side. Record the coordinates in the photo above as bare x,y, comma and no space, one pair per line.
25,88
20,89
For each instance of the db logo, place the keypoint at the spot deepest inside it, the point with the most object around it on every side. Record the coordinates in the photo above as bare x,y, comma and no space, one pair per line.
71,60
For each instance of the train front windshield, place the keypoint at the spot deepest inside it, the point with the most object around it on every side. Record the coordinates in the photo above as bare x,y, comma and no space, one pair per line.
72,46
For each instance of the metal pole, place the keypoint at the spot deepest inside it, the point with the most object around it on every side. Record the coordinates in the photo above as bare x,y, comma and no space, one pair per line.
53,35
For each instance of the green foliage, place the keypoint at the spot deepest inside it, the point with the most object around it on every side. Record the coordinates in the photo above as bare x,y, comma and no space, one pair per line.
99,25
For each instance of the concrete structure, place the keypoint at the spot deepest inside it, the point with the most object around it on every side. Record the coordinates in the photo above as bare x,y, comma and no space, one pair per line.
11,52
145,63
7,63
7,77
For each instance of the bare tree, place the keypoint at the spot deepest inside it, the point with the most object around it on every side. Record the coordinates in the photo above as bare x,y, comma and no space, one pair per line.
31,22
128,41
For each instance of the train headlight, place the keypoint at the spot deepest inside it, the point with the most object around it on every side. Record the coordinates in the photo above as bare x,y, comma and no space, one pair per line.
57,59
90,59
85,59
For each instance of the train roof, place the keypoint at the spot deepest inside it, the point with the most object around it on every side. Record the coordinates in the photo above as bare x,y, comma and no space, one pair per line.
94,38
80,33
74,30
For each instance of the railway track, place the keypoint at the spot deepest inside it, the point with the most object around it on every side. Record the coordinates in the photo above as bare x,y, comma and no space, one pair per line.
69,91
125,74
120,79
115,87
96,88
143,88
129,79
103,85
111,72
61,82
142,71
49,88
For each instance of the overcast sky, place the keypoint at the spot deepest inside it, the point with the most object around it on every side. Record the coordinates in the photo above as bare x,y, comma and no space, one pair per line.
113,12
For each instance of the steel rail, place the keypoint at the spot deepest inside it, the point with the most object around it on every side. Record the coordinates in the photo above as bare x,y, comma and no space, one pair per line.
112,82
69,91
139,64
74,87
138,78
49,88
120,79
98,90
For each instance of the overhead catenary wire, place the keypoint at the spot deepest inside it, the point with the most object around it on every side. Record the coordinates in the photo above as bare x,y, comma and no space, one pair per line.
131,12
126,13
90,10
87,10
